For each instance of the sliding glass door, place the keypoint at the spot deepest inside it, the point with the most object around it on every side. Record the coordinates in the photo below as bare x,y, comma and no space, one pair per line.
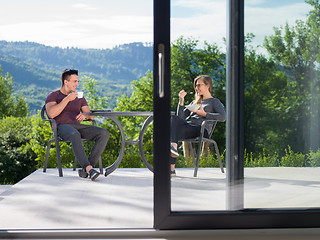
254,104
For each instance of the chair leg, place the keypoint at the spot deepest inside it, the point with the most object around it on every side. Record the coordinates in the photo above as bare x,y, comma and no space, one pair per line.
196,166
100,166
47,157
59,159
75,164
192,152
218,155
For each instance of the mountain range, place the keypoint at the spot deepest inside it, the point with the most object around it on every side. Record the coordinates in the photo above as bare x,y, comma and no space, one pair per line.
36,68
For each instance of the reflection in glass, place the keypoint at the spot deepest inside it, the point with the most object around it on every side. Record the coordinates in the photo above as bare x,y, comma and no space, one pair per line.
197,49
282,136
281,105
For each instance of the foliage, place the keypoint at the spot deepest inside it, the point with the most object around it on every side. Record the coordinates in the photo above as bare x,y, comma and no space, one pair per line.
37,68
10,105
140,100
41,134
270,105
188,62
16,157
295,49
94,100
292,159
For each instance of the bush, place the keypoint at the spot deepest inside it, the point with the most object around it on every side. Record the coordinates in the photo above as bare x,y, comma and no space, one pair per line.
292,159
262,160
314,158
41,134
16,156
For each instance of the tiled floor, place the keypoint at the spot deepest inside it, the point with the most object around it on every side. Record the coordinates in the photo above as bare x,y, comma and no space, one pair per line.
124,199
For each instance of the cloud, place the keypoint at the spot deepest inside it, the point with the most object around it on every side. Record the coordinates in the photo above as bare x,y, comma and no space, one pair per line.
84,25
260,21
206,22
83,6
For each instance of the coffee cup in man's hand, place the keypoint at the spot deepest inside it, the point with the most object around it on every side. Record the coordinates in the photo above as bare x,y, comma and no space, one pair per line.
80,94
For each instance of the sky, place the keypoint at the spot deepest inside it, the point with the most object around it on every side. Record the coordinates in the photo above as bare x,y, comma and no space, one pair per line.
107,23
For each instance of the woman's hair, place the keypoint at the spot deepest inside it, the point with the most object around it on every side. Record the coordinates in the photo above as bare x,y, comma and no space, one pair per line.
207,81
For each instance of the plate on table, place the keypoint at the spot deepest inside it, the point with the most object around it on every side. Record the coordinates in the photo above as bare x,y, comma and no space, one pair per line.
193,107
94,111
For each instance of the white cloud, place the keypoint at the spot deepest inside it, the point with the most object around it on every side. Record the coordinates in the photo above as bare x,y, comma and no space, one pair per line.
261,21
207,21
95,24
84,6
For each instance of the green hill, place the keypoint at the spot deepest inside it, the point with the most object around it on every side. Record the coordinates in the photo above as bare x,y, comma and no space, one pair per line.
36,68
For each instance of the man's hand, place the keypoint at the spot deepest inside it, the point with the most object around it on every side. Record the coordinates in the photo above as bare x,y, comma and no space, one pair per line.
72,96
80,117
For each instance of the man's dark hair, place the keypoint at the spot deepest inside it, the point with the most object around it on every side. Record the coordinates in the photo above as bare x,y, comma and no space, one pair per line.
66,73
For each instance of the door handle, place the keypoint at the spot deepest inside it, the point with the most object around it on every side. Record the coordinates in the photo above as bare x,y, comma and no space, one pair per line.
161,69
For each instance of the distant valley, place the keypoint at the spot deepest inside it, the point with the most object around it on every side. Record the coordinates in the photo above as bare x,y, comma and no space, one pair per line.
36,68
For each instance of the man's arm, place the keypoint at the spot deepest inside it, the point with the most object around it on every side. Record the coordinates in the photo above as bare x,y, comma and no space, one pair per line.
86,111
53,109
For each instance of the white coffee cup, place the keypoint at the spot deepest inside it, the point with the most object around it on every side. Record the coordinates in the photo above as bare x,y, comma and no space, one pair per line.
80,94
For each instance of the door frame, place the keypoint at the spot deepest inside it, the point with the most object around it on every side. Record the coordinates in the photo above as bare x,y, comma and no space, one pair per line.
235,217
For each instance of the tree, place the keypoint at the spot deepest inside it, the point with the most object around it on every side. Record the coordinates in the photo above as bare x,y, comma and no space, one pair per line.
295,49
188,62
268,95
9,104
95,101
16,156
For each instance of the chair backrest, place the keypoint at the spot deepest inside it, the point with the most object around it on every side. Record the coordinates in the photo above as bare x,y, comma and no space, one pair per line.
212,129
44,115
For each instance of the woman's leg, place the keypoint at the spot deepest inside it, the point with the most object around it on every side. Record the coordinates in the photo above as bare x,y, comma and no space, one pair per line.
180,130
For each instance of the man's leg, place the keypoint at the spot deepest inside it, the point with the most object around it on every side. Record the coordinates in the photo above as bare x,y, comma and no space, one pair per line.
100,136
70,133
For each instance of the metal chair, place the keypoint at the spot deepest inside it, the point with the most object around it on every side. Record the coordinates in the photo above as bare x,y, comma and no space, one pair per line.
203,138
56,139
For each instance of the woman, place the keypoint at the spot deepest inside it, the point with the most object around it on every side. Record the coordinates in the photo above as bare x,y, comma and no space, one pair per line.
187,123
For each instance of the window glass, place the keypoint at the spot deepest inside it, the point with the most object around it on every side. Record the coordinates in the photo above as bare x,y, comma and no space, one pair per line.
110,44
281,105
198,31
281,95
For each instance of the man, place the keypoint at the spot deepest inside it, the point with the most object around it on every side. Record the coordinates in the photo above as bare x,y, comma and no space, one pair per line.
68,110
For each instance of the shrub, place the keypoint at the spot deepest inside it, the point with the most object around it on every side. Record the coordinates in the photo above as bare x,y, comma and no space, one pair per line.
292,159
314,158
16,157
41,134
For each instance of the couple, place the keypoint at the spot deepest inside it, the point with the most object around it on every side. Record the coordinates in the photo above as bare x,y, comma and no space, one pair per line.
187,124
68,110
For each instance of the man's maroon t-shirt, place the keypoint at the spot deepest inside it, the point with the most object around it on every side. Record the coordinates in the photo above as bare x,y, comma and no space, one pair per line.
68,115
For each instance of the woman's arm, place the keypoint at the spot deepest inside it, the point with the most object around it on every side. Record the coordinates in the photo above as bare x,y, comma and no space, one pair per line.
218,112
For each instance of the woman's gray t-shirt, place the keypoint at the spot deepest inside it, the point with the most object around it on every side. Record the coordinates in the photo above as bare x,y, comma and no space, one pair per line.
212,106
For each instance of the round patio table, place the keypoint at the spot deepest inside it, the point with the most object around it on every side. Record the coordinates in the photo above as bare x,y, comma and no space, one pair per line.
112,115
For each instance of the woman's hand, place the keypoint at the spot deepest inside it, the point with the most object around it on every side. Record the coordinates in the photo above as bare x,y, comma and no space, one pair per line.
182,94
200,111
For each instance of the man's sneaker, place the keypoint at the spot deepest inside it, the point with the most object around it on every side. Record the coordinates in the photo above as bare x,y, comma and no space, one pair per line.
82,173
93,174
174,152
173,173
